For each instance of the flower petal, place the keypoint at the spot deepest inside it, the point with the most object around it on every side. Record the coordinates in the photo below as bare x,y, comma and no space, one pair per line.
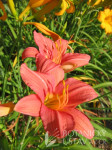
55,122
4,17
33,4
6,108
81,123
47,66
44,44
29,105
29,52
37,81
46,9
78,92
44,29
36,16
38,3
70,61
71,9
64,6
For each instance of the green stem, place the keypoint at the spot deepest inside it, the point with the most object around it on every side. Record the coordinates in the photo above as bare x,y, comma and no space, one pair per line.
4,86
11,28
16,129
19,39
65,77
22,142
12,8
79,25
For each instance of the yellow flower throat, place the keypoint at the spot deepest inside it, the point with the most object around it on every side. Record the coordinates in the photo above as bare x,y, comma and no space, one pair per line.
56,101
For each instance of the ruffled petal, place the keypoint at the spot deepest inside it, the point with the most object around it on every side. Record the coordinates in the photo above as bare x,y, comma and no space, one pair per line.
29,105
81,123
29,52
70,61
5,109
56,123
48,67
44,44
38,82
78,92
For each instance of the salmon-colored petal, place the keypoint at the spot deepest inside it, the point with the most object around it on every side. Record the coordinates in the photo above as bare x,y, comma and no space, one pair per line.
44,29
78,92
45,44
29,52
47,66
6,108
70,61
56,123
38,82
4,17
81,123
29,105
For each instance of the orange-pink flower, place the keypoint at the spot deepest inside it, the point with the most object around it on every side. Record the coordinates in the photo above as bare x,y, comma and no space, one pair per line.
55,102
56,51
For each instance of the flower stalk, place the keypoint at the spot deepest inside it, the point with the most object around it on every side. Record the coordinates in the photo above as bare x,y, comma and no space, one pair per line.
12,8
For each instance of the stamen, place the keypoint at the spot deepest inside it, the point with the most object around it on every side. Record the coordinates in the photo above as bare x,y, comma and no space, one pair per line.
56,101
58,54
70,48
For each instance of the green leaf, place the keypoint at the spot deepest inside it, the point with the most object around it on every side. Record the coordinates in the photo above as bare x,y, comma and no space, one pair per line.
4,145
102,85
77,147
106,132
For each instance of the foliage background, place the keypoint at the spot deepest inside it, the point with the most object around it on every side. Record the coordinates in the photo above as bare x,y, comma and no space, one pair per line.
83,27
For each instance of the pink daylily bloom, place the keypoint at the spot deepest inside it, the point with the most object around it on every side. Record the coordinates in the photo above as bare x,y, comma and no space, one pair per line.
44,75
56,51
55,102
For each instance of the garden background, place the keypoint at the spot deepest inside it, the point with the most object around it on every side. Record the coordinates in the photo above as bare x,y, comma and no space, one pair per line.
82,27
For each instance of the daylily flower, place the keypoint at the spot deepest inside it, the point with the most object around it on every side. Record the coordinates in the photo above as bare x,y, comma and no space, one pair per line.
4,17
105,17
49,5
47,70
56,103
56,51
44,29
6,108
